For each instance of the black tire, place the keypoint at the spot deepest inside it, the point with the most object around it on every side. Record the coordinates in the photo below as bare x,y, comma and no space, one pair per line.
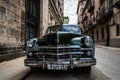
87,69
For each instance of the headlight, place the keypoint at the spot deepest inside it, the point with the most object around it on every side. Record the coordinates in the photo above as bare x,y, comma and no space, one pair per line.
30,43
88,42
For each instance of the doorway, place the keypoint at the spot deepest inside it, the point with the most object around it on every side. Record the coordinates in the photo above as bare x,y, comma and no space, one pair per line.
108,36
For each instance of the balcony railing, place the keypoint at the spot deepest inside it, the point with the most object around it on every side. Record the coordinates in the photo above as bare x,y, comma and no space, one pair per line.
90,6
91,23
85,31
117,4
104,14
84,18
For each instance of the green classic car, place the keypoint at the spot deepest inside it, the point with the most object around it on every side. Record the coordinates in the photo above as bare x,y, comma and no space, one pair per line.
62,47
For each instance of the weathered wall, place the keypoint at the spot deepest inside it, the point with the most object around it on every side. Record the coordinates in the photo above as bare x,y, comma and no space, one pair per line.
43,16
12,14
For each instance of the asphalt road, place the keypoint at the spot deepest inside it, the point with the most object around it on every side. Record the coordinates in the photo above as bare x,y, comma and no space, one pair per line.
108,61
107,68
66,75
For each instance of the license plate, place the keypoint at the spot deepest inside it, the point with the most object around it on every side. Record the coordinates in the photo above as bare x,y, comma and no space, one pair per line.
57,67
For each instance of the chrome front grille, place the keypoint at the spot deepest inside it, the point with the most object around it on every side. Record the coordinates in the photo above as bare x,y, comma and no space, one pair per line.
58,50
48,57
57,53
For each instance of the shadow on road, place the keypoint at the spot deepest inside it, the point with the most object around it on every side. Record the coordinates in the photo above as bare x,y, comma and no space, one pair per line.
75,74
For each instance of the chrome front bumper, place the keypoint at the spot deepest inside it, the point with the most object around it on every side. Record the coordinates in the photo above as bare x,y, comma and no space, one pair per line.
70,64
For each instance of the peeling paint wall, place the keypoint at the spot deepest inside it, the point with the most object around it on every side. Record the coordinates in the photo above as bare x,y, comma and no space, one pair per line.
12,23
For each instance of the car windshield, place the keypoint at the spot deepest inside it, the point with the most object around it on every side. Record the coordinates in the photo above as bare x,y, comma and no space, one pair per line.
71,28
64,28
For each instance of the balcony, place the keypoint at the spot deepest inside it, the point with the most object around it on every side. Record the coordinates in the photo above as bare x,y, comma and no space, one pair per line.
84,18
91,23
104,15
85,31
102,1
117,4
90,6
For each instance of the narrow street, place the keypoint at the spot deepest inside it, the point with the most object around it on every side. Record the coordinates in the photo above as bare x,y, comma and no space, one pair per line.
107,68
59,39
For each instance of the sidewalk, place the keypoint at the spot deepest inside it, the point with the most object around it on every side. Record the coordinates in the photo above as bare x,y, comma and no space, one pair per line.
13,69
106,47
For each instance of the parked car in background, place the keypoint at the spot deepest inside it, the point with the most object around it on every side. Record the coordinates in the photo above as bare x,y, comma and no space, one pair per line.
62,47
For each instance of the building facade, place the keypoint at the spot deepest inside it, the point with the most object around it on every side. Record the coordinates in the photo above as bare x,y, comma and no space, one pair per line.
21,20
51,14
45,13
12,23
56,8
101,20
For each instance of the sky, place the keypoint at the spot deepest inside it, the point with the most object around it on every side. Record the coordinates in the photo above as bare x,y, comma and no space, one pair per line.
70,9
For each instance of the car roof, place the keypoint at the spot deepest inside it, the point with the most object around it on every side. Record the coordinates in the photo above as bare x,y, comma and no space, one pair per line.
63,25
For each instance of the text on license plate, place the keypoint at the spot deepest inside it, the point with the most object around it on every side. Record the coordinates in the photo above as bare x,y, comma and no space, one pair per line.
57,67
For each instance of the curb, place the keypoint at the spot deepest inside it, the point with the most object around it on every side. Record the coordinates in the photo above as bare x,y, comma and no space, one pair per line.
22,74
105,47
10,56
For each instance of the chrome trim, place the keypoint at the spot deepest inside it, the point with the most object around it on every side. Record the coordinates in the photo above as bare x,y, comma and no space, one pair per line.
61,46
58,50
61,53
47,47
58,54
81,63
86,49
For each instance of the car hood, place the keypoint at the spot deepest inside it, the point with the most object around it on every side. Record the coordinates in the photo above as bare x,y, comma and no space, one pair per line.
59,38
